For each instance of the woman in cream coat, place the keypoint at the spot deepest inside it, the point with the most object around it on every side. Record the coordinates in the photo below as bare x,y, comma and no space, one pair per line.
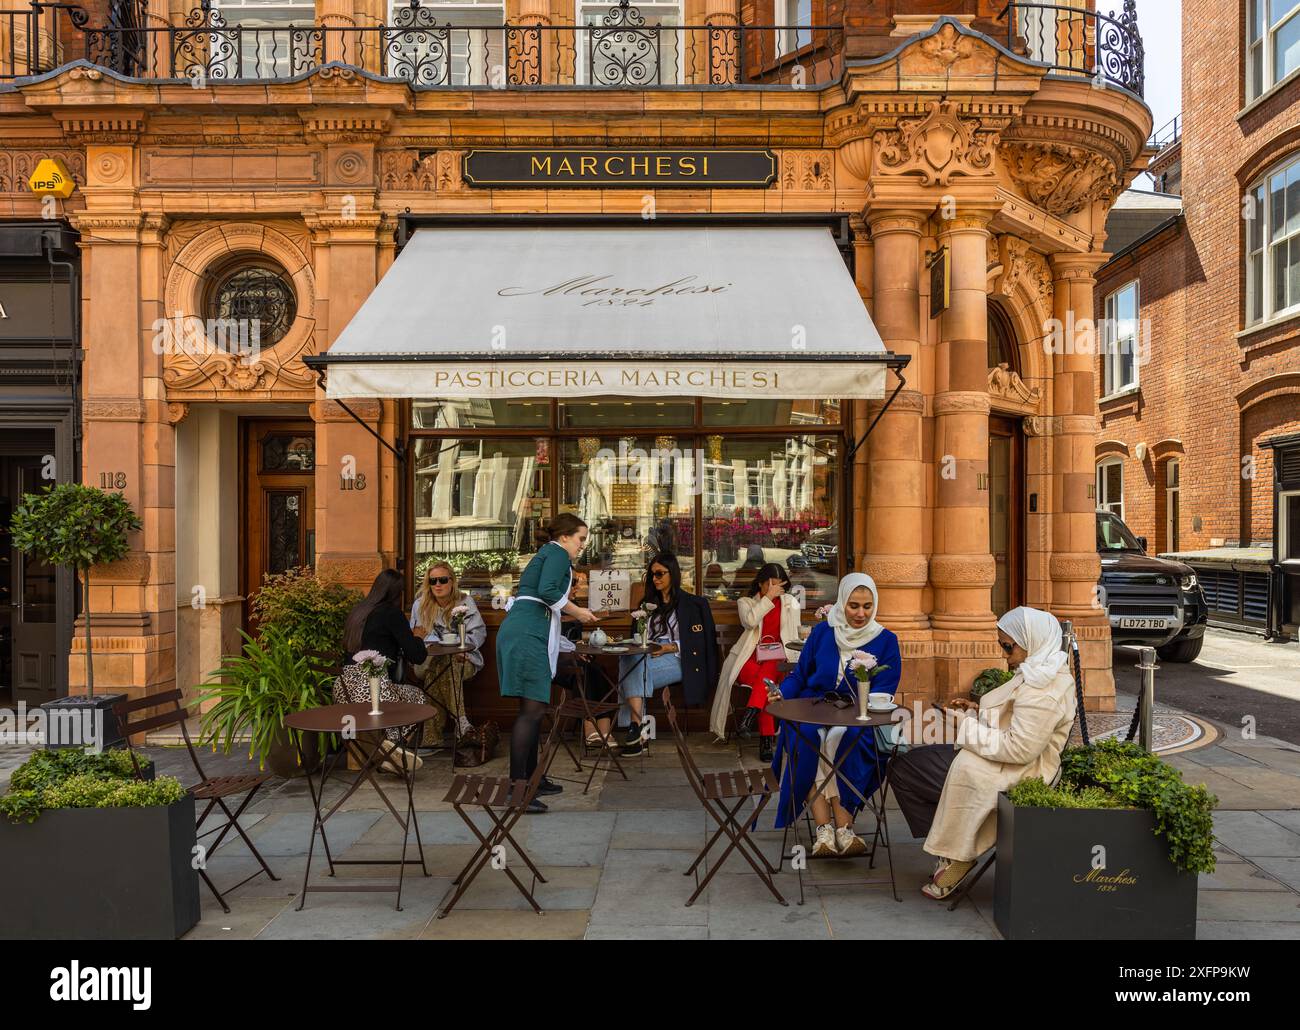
1018,734
759,616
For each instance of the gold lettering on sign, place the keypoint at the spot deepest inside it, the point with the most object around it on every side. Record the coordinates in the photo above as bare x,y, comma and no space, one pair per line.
566,167
542,165
588,165
688,165
609,166
1107,884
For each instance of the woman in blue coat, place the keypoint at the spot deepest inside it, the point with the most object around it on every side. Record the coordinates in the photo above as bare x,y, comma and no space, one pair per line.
823,666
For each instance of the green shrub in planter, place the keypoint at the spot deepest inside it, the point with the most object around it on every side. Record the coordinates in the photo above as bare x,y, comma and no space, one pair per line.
69,778
989,679
1116,774
254,691
309,610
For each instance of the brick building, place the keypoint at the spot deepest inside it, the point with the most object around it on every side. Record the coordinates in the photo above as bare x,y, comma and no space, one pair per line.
238,159
1186,440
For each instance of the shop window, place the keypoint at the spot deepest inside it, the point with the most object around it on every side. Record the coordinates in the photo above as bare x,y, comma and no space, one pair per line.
636,495
446,44
622,46
1119,340
791,485
479,504
253,299
627,411
1273,244
481,414
1272,43
773,412
1110,486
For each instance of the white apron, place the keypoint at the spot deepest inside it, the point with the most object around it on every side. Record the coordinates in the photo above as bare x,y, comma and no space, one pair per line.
552,638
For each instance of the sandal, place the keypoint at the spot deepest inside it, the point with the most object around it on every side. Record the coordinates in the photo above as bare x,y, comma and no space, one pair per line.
947,877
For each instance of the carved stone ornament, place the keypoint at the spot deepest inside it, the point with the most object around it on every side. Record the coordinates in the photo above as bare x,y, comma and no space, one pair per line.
1059,178
807,171
1005,384
1013,256
947,46
406,170
938,146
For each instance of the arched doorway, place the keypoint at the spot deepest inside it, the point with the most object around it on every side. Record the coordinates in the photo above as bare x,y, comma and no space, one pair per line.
1006,477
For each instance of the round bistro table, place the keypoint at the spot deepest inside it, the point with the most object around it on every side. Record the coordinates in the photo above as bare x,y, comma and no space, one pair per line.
803,714
349,722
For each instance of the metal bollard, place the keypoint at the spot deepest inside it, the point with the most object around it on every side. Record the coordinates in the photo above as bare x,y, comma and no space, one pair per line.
1147,699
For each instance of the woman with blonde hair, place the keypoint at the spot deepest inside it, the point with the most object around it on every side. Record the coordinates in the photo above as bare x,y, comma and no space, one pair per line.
436,612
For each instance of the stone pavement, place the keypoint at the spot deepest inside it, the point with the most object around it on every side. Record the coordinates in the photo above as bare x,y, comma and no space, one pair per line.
614,860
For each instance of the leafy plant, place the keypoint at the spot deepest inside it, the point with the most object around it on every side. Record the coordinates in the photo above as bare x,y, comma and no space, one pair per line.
255,690
1126,776
311,611
70,778
80,526
989,679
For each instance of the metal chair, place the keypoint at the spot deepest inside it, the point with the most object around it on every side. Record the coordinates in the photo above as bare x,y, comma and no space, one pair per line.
511,798
212,789
716,791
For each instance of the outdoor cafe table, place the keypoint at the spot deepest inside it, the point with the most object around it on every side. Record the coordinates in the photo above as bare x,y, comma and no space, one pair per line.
584,708
447,654
349,722
805,716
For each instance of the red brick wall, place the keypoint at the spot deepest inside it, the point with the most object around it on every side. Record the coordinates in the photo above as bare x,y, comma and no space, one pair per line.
1204,385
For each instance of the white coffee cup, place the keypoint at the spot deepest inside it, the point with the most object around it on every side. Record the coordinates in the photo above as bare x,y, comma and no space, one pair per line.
880,700
451,638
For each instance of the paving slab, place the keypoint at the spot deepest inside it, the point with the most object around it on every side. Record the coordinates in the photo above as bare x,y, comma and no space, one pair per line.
1250,906
1285,869
507,924
644,888
1236,930
361,915
1255,835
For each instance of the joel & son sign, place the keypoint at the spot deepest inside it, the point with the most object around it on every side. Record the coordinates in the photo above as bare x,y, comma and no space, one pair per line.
612,169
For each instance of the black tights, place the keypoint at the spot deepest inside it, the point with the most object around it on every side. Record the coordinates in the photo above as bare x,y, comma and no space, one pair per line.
524,737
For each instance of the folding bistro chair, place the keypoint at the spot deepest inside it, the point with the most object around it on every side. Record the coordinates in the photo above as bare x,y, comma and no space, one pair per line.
716,791
511,798
212,789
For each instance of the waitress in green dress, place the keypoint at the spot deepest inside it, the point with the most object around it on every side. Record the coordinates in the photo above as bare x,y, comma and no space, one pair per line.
528,643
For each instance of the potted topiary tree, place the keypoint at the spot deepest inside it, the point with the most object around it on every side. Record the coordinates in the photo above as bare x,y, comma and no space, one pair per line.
81,527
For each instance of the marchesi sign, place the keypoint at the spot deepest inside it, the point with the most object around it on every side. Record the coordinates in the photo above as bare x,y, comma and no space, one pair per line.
614,169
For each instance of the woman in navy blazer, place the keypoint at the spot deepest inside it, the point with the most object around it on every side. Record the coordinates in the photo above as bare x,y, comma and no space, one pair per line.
850,627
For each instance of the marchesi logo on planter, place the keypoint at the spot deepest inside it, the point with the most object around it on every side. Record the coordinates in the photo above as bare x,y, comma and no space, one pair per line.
1107,883
613,169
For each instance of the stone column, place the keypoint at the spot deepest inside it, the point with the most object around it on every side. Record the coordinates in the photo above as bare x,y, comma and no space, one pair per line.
897,504
1075,567
350,466
341,42
961,567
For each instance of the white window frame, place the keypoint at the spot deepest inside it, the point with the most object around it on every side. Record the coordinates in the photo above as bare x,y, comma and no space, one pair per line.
1260,245
1103,500
1284,499
1173,492
276,48
1259,46
673,56
793,25
1114,341
471,44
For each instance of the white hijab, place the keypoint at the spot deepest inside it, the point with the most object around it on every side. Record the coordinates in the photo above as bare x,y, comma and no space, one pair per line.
1038,633
848,638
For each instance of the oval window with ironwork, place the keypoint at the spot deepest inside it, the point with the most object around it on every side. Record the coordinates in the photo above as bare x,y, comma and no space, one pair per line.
252,303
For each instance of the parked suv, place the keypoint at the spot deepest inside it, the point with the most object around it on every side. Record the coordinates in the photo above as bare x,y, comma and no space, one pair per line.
1150,601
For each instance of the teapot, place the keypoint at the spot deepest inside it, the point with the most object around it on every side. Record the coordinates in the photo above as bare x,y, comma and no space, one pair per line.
598,637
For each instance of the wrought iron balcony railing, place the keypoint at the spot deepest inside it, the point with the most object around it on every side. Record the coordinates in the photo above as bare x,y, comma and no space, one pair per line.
622,50
1106,48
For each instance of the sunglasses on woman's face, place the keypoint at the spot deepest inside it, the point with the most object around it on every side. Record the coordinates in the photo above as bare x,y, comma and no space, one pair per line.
838,698
658,573
1006,648
439,580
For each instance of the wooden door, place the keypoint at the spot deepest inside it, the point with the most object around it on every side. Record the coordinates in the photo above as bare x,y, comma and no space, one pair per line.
279,499
1007,512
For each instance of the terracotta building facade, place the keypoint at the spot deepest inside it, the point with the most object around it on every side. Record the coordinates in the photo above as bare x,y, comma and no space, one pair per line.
1185,445
962,172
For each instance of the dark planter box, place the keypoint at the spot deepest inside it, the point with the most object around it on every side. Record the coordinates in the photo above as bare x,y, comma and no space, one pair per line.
100,874
1045,885
70,721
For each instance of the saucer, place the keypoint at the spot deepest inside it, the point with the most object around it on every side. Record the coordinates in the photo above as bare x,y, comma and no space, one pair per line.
881,708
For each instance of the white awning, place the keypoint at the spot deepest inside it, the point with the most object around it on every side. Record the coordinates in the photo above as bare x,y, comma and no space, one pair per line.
730,312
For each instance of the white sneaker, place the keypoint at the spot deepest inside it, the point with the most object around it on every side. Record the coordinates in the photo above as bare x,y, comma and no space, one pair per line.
849,844
824,845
